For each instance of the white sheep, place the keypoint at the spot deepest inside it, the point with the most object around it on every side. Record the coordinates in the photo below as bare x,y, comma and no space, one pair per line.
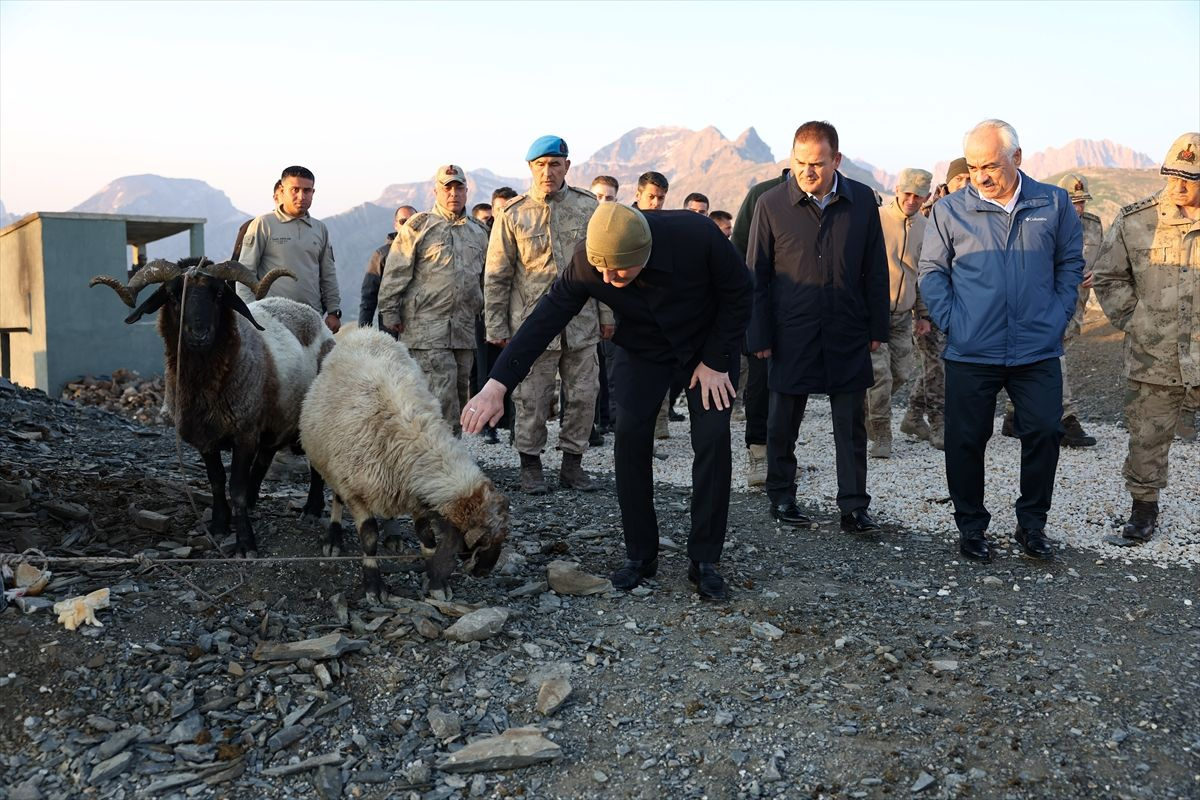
373,429
239,378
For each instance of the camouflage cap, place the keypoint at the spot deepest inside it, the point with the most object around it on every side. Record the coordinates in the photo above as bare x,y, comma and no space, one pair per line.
1183,159
618,237
1076,186
547,146
449,174
914,181
957,167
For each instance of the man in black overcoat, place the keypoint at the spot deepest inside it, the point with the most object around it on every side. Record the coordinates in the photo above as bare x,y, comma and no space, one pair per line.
681,296
820,310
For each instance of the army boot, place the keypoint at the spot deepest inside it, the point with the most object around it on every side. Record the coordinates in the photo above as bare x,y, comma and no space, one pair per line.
1006,427
532,480
1186,427
914,425
1075,435
572,476
1142,521
756,467
937,432
880,434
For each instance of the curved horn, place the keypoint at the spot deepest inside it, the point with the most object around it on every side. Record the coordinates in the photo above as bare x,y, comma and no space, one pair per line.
128,297
265,284
236,271
157,271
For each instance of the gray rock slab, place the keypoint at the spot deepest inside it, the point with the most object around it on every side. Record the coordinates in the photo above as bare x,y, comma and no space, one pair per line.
329,646
478,625
516,747
110,768
552,694
565,577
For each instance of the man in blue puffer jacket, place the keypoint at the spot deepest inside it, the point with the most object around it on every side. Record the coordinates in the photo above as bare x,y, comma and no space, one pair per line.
999,271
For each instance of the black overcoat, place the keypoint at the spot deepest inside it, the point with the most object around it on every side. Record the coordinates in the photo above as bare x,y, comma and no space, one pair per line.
820,288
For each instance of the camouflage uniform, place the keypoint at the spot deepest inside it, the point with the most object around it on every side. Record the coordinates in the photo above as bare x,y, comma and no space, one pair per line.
928,395
893,361
533,240
431,284
1148,282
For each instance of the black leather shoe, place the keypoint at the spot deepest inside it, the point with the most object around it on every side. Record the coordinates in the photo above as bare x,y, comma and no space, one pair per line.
709,583
787,513
859,521
1034,542
974,546
596,439
632,572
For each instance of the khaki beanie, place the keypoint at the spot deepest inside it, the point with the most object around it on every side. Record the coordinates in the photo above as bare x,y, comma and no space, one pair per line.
618,237
957,167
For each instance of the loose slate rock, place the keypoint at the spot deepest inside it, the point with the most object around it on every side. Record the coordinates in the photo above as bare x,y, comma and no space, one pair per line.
286,737
565,577
765,630
328,783
944,665
552,694
110,768
118,742
478,625
329,646
187,730
923,782
516,747
445,725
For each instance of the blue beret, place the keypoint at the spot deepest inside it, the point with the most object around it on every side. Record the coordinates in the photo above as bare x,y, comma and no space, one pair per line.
547,146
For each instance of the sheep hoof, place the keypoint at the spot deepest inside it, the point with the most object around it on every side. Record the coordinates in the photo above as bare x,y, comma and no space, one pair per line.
427,552
331,550
247,554
381,598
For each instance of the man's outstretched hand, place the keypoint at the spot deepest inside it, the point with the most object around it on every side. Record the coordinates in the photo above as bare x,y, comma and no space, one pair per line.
485,408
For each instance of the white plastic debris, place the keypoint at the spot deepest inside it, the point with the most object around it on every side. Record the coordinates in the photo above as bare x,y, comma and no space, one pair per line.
77,611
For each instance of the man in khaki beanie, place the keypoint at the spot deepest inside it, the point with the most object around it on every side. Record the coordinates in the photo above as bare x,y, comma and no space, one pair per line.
681,296
903,229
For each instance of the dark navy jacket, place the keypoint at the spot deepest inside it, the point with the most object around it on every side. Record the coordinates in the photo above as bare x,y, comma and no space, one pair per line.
1002,286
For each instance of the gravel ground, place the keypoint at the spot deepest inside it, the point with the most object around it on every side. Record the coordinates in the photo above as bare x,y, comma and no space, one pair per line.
877,666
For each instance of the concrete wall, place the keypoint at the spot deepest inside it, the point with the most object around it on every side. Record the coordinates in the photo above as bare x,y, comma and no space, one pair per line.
22,304
85,329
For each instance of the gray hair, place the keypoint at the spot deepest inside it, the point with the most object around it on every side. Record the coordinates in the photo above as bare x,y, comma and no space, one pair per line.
1006,132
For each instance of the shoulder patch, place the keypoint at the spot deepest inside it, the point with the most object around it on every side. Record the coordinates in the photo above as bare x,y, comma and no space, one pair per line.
1140,205
418,221
1089,216
583,192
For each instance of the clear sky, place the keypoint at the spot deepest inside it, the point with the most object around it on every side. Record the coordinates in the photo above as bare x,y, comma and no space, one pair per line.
368,94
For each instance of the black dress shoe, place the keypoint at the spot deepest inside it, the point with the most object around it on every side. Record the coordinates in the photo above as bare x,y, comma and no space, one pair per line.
859,521
787,513
974,546
596,439
632,572
1034,542
709,583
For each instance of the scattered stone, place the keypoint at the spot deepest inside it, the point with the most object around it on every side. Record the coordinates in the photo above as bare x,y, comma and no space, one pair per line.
427,628
992,580
444,725
765,630
565,577
552,695
119,741
66,510
923,782
328,782
171,782
478,625
515,748
286,737
328,759
331,645
150,520
26,791
110,768
944,665
187,730
722,719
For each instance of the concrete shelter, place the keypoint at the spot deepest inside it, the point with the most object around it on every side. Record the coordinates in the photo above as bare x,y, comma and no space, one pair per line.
53,328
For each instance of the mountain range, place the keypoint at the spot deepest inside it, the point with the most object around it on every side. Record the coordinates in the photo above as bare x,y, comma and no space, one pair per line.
693,161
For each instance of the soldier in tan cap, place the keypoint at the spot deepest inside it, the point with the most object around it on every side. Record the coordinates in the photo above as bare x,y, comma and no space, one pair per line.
430,292
1093,234
903,229
1147,280
531,244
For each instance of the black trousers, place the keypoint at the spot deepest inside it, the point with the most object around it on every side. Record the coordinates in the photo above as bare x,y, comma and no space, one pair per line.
849,442
604,398
639,387
757,400
1036,392
486,354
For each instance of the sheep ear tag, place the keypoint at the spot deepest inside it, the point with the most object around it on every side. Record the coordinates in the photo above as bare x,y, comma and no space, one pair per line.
152,303
240,307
